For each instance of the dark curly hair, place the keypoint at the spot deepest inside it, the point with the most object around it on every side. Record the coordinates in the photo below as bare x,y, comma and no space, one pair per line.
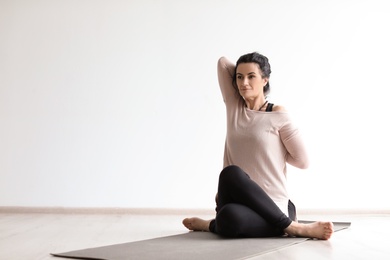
263,64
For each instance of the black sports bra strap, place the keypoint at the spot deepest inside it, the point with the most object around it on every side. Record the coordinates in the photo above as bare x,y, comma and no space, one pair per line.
269,107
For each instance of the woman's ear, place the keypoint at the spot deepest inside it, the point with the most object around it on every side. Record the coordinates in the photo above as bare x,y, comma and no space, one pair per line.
265,82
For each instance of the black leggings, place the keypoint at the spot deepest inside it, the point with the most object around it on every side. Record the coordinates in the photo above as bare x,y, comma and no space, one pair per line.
245,210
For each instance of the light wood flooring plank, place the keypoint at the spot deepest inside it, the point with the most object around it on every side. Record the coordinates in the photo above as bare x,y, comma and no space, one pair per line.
35,236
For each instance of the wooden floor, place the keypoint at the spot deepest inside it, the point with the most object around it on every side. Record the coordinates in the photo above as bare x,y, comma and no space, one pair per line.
36,235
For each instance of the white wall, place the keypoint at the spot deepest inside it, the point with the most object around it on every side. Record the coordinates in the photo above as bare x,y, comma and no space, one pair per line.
116,103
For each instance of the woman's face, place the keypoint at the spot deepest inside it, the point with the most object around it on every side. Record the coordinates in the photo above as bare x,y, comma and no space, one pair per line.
249,81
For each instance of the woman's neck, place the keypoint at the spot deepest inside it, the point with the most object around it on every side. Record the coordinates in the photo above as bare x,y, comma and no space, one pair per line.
256,104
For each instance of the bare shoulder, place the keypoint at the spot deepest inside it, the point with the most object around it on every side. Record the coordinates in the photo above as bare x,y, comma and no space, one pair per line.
279,108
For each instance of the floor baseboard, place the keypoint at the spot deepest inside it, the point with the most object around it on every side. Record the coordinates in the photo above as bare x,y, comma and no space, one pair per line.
170,211
104,210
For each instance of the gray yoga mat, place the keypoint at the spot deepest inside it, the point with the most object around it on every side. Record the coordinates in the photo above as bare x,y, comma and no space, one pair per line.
191,245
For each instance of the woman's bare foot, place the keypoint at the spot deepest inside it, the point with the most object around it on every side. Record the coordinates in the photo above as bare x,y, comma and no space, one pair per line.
197,224
319,230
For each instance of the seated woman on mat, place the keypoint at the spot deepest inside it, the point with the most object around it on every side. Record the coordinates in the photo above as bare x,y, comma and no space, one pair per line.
252,198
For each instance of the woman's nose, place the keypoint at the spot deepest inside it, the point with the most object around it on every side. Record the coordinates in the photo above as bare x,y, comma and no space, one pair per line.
245,81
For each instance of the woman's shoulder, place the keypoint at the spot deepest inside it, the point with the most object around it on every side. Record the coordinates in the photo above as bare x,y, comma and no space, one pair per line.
278,108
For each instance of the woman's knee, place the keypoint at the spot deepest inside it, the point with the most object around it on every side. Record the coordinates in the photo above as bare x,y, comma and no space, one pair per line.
231,168
231,172
236,220
227,221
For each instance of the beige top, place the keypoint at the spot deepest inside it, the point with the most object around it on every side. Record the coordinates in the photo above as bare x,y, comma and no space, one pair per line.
259,142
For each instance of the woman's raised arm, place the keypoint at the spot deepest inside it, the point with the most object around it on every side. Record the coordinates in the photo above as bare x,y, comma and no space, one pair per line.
225,78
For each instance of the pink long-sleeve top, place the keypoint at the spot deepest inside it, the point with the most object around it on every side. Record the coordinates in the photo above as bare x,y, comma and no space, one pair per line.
261,143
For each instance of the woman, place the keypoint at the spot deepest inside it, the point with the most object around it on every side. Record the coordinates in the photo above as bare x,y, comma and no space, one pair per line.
252,198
